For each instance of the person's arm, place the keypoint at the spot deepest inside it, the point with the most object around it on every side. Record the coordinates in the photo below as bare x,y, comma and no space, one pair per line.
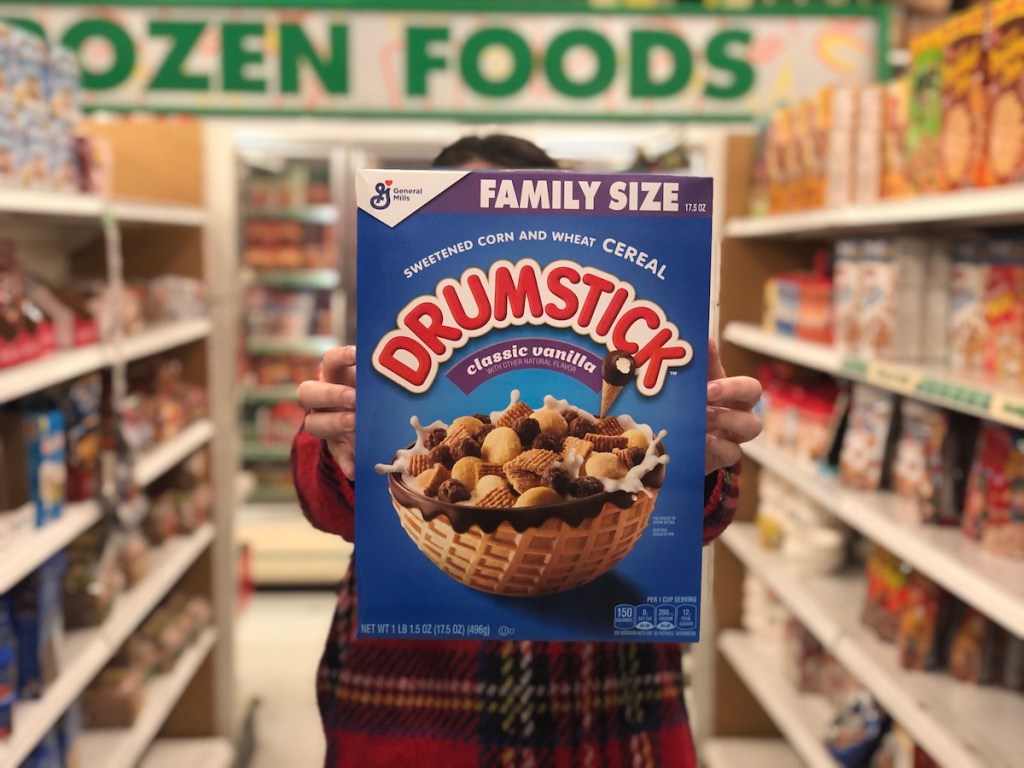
721,491
326,496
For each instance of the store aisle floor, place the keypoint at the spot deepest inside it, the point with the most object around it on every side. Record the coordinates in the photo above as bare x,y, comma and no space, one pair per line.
279,640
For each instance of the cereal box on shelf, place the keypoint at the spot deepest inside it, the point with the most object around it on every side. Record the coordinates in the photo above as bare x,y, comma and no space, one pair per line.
846,295
533,363
1003,353
862,458
967,326
1005,69
895,130
964,101
868,144
924,136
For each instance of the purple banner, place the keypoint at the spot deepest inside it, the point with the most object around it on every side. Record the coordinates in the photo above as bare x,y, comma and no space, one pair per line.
517,354
558,192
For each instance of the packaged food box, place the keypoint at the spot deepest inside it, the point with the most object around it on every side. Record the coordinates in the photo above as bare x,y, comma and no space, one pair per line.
895,131
1003,353
836,128
967,324
964,101
892,297
868,144
924,137
867,437
532,349
1006,92
64,87
31,58
846,295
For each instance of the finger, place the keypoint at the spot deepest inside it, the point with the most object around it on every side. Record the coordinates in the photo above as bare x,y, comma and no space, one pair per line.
328,425
741,392
715,369
720,453
319,395
737,426
344,455
339,366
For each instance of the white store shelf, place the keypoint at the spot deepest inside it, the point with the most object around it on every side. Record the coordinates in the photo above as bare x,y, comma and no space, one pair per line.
168,214
974,394
750,752
962,724
992,584
194,753
87,651
801,717
297,279
55,205
311,346
161,338
969,207
153,463
25,552
124,747
65,365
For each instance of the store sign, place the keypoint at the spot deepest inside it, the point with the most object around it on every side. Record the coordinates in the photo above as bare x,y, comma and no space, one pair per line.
449,63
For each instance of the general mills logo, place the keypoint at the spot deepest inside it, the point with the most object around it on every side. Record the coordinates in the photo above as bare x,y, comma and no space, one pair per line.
382,199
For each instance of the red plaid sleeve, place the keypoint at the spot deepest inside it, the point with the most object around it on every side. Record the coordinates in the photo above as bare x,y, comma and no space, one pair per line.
721,491
326,496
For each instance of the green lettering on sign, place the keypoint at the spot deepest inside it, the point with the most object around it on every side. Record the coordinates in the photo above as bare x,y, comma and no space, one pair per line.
517,48
419,61
123,48
236,57
555,63
737,66
644,44
172,76
332,69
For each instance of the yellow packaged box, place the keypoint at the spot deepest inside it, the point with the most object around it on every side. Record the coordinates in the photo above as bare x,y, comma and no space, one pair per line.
964,101
1005,67
924,135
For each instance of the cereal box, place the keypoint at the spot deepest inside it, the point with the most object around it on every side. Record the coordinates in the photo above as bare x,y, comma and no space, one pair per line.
895,133
964,102
892,297
1005,67
869,139
846,295
64,83
866,441
532,370
924,144
1003,353
837,115
967,325
30,70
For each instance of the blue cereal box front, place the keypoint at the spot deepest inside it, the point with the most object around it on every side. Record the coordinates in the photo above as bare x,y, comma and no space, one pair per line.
532,380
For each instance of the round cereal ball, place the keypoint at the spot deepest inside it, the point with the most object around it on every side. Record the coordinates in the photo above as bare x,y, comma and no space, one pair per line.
636,439
551,422
466,470
500,445
470,423
606,465
539,496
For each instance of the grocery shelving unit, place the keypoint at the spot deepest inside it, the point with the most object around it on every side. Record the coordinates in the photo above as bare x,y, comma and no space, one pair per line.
161,229
957,723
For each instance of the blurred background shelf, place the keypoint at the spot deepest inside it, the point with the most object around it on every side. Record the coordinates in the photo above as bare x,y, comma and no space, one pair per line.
156,461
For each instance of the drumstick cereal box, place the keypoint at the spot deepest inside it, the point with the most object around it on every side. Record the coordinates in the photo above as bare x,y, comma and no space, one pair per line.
532,373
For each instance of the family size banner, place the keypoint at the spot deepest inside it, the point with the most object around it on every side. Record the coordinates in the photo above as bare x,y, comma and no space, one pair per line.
532,379
430,59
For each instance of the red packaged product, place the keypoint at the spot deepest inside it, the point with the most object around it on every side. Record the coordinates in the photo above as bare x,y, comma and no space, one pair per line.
887,594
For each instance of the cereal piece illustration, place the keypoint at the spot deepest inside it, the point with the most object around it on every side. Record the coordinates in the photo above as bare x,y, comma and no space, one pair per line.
540,521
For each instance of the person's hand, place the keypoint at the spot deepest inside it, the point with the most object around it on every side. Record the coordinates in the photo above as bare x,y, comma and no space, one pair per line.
731,421
331,406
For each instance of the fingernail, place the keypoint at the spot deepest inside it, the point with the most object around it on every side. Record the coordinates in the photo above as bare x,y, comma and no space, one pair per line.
714,390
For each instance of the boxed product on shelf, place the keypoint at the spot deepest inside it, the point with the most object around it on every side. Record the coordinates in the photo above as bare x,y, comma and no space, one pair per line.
278,423
857,731
73,322
868,151
799,304
837,114
781,161
1003,353
29,81
1005,162
25,330
39,626
846,295
967,322
896,125
887,578
994,500
922,623
160,405
35,452
170,298
964,100
83,422
925,463
288,314
179,502
64,84
972,647
867,439
282,370
924,135
115,698
8,668
32,161
937,300
892,294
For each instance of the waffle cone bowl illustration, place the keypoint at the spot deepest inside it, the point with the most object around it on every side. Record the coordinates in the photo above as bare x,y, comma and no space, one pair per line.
528,502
